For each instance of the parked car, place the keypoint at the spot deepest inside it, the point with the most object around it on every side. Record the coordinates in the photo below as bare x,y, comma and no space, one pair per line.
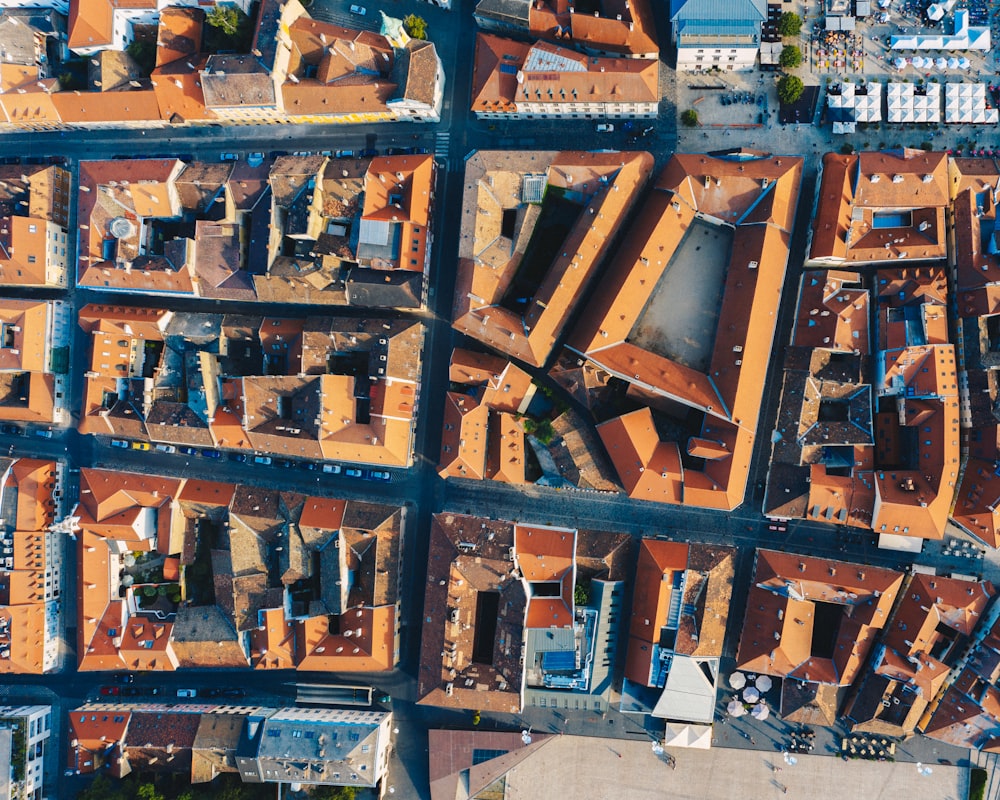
123,443
211,454
352,472
332,468
255,159
234,692
189,451
110,690
284,462
131,691
604,127
378,475
124,677
45,433
359,10
187,692
240,457
12,430
166,448
262,459
141,446
310,465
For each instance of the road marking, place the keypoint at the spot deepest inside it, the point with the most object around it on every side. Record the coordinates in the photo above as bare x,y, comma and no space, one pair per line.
442,145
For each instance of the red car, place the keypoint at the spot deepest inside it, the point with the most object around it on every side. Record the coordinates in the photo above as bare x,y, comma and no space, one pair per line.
106,690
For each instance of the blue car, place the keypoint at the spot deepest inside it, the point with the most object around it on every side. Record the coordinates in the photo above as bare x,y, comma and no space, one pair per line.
211,454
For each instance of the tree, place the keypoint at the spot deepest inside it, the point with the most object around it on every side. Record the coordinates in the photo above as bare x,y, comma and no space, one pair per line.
143,51
148,791
689,118
790,89
333,793
225,18
790,57
789,24
415,26
580,595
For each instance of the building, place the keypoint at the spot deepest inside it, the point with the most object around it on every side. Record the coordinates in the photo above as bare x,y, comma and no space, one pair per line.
273,580
625,29
34,360
814,620
34,215
520,615
334,388
24,736
298,70
483,437
517,299
304,228
715,35
963,37
31,566
974,184
701,367
967,712
680,607
872,448
878,207
516,80
317,746
926,637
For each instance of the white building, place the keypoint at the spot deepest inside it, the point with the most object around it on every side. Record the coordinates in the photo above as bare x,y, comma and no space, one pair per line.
24,731
716,34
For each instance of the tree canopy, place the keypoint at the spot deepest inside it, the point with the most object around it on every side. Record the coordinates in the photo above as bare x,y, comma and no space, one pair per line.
789,24
790,89
415,26
225,18
689,118
790,57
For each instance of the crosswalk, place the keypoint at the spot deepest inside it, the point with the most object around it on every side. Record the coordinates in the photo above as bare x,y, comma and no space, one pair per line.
442,145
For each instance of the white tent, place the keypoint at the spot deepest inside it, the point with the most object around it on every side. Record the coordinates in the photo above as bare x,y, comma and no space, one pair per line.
696,736
760,711
899,63
751,695
737,680
918,62
940,62
735,709
953,63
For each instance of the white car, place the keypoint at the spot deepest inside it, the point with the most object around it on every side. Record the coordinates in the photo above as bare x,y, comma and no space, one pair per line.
332,468
187,692
166,448
605,127
359,10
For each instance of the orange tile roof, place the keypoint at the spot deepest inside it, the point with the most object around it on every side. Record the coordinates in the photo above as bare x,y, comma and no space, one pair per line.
608,183
470,367
35,480
833,312
547,555
620,27
977,501
778,632
856,188
505,459
272,645
464,439
731,388
648,468
369,649
96,735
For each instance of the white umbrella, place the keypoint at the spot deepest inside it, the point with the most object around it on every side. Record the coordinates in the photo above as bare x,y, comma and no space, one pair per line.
899,63
917,62
763,683
964,63
952,63
760,711
737,680
735,708
751,695
940,62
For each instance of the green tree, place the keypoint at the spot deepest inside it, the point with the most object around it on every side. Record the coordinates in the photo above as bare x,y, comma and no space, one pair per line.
415,26
581,595
789,24
333,793
790,89
148,791
790,57
224,17
143,52
689,118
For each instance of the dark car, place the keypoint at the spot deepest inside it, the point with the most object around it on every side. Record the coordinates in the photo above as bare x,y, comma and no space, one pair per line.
151,690
12,430
310,465
236,692
283,462
241,457
124,677
131,691
211,454
189,451
377,475
369,153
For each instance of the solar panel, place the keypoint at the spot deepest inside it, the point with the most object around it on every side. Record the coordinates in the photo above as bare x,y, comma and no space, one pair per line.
559,661
508,69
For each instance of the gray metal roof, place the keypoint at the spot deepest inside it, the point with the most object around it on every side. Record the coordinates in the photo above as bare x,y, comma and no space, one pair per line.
718,10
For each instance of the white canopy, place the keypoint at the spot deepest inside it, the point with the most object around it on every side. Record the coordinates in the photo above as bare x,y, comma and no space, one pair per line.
760,711
751,695
737,680
735,708
696,736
